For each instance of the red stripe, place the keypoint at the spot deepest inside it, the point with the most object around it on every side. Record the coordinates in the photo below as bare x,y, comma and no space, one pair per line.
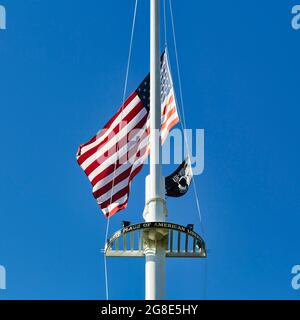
97,194
108,124
124,205
125,174
115,197
134,112
136,171
168,116
171,99
108,170
117,146
117,209
170,126
120,194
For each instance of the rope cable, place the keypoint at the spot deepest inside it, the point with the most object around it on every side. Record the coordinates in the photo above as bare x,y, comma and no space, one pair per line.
181,105
105,262
188,149
117,146
165,24
183,123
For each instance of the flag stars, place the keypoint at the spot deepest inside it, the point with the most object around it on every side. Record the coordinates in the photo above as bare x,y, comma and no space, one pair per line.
166,85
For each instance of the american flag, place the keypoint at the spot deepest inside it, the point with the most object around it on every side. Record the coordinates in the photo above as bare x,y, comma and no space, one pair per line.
113,157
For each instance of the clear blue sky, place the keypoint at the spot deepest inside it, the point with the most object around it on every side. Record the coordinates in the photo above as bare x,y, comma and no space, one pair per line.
62,70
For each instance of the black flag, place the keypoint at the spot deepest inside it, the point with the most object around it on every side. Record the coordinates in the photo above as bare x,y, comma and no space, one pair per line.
177,184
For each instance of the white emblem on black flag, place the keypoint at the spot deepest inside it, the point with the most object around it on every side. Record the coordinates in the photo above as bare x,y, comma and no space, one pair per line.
178,183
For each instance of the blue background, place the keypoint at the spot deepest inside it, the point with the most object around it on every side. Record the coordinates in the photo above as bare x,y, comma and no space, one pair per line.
62,71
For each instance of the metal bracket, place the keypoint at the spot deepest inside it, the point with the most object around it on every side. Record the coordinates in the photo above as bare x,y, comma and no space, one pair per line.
179,241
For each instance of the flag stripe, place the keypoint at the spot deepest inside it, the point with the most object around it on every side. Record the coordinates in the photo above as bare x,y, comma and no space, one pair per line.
119,155
118,146
112,134
171,114
167,106
136,123
98,193
115,207
130,103
170,125
115,197
119,167
118,175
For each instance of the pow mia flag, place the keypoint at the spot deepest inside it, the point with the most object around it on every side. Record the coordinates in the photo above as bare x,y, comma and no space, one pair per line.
177,184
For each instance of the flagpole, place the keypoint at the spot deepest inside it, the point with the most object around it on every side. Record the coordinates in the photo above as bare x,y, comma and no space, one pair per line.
155,203
154,238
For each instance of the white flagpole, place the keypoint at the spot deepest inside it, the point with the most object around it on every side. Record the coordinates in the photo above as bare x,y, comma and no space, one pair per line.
155,203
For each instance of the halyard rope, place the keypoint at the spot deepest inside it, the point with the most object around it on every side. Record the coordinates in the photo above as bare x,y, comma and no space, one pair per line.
183,125
123,101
